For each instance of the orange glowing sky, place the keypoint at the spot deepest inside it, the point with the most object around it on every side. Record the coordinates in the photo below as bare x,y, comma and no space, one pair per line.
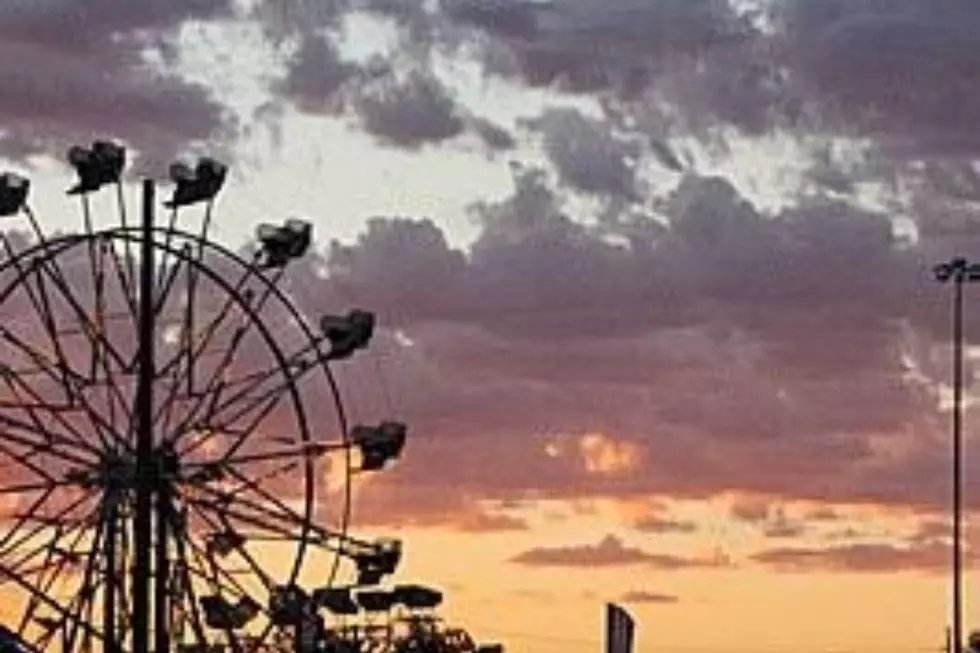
653,280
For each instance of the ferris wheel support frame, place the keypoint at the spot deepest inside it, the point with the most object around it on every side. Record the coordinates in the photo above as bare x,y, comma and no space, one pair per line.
145,476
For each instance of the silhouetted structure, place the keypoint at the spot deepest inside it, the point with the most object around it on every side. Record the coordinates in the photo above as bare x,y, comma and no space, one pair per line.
959,271
153,426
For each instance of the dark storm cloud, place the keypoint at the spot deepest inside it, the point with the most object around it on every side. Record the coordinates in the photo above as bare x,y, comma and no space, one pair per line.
707,338
723,342
587,45
610,552
535,272
902,72
92,26
72,73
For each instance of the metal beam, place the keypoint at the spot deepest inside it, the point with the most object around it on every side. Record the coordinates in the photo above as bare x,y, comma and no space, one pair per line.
146,476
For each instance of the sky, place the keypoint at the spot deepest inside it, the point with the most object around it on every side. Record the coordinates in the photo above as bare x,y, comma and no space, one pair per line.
654,278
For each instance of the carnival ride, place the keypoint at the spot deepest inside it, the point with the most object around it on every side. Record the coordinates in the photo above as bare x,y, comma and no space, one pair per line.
175,457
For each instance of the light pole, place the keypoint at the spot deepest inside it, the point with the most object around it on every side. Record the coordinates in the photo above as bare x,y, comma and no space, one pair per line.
958,271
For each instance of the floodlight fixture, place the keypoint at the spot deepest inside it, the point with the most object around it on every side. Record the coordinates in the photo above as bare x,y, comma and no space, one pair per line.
347,333
337,600
382,560
199,184
379,444
13,193
96,166
281,244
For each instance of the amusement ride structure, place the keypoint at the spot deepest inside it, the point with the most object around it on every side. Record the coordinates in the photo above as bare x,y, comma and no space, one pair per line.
175,458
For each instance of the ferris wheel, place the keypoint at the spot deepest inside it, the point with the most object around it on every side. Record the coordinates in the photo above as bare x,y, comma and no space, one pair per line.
175,458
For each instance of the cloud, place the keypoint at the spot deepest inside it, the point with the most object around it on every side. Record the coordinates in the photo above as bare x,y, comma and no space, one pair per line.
609,552
899,73
587,155
932,531
645,597
317,76
753,510
781,526
588,46
868,558
493,135
658,524
386,502
69,76
691,344
408,111
823,514
771,519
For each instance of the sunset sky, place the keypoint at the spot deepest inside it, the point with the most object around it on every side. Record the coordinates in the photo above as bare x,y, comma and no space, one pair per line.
654,277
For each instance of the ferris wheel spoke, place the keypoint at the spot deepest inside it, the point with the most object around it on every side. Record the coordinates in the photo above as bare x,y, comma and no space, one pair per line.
271,401
186,375
237,295
126,279
46,445
31,487
23,459
42,362
222,581
216,409
42,307
185,588
303,450
21,519
90,244
165,250
215,385
242,433
48,602
168,278
296,366
37,403
35,533
224,512
86,594
68,558
84,320
231,301
218,526
123,222
99,425
270,521
41,525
